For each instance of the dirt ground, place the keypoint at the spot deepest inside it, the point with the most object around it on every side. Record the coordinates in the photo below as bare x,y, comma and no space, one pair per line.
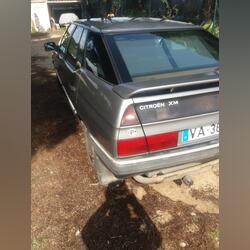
70,210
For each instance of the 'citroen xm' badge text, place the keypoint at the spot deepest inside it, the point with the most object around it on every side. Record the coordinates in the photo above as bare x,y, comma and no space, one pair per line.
152,106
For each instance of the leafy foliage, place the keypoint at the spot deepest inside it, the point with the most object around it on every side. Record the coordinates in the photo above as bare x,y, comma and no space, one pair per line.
135,8
203,12
211,21
212,27
166,10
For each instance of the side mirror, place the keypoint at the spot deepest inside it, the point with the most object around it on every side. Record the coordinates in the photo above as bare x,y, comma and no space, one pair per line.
49,46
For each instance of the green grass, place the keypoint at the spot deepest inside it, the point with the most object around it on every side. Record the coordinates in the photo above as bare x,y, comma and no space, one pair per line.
214,234
38,242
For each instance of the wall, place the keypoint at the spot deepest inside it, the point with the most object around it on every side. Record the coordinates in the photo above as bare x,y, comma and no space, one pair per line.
40,17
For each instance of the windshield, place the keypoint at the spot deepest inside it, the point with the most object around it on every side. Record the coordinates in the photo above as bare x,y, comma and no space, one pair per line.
162,52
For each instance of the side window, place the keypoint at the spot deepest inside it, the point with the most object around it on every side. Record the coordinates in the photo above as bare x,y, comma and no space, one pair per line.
64,42
97,59
81,49
73,45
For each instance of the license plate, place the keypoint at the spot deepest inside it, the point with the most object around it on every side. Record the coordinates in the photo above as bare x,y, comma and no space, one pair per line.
200,132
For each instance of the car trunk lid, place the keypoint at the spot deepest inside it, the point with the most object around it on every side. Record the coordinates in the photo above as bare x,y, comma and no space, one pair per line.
176,105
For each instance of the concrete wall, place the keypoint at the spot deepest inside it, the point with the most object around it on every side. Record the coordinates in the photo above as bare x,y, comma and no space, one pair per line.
40,17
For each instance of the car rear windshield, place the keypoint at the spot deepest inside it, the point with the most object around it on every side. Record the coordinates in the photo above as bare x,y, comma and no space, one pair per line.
162,52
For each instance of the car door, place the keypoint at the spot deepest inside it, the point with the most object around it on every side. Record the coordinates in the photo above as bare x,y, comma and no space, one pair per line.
97,78
72,64
59,57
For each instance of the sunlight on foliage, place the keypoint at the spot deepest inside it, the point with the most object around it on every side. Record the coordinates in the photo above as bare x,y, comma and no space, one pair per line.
212,27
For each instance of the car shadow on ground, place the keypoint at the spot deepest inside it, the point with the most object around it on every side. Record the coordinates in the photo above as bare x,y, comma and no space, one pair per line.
121,223
52,118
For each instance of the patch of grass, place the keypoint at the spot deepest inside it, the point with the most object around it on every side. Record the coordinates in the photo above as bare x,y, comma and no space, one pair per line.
38,242
214,234
63,28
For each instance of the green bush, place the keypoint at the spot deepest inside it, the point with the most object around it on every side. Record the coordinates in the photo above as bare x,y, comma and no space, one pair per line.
212,27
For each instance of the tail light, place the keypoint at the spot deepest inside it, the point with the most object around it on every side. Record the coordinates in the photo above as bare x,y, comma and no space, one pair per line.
130,117
162,141
147,144
132,146
127,146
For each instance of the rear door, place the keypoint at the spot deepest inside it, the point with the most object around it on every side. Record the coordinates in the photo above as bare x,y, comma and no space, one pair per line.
97,78
96,75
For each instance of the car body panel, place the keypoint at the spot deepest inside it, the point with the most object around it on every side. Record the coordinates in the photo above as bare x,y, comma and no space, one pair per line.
141,164
95,105
101,105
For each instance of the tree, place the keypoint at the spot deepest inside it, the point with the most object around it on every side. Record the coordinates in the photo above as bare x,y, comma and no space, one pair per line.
133,8
97,8
207,10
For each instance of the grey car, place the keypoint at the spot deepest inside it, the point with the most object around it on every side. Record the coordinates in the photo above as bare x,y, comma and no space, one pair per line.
147,92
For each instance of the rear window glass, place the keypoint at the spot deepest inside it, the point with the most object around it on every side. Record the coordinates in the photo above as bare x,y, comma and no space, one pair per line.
168,51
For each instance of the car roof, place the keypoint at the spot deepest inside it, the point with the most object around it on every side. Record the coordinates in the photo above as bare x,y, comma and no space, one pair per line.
130,24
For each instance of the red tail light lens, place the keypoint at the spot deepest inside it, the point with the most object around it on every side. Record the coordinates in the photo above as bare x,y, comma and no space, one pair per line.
130,117
147,144
162,141
132,146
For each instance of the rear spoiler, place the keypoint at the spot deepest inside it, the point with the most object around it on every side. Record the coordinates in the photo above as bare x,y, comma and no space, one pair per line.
128,90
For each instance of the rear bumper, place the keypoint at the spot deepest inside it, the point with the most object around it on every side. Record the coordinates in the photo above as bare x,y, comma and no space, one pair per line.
195,155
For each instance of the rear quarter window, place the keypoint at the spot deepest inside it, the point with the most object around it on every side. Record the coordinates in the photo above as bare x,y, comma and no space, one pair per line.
97,59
